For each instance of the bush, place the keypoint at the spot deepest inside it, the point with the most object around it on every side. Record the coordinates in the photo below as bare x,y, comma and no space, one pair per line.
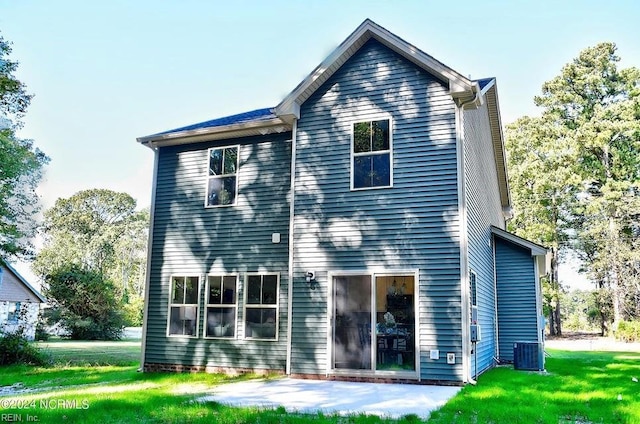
85,304
16,349
628,331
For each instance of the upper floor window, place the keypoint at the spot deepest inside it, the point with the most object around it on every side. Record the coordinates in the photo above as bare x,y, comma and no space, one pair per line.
261,306
371,164
221,305
222,176
183,307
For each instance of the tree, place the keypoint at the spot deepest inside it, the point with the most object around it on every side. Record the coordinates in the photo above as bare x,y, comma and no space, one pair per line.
590,126
85,303
87,229
99,235
598,105
14,99
20,165
542,185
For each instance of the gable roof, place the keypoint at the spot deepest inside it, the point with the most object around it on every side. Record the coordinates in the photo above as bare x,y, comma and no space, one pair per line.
541,254
536,249
461,88
280,118
21,279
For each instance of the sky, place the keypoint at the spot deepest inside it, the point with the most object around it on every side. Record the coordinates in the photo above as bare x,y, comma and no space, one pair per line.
106,72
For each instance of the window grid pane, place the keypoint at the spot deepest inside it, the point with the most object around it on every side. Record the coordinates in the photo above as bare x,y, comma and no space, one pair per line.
215,290
230,160
380,135
362,137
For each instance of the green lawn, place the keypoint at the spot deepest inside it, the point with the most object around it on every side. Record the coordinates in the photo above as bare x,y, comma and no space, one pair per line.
71,352
579,387
91,383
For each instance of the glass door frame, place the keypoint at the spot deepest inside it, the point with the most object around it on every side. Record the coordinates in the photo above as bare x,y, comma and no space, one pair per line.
331,321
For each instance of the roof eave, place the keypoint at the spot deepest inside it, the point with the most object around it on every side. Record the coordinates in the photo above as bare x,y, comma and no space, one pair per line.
497,136
26,284
262,127
461,88
536,249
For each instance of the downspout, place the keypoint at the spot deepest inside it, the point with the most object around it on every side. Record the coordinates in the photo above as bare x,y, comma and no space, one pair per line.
147,283
294,135
464,244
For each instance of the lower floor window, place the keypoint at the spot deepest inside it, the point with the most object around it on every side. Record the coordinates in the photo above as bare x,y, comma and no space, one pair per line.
221,306
183,309
261,306
14,312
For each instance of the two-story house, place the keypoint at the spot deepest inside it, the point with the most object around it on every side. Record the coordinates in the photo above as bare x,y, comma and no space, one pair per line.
354,231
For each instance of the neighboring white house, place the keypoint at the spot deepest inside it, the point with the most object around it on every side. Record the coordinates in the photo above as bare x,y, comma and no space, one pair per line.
19,302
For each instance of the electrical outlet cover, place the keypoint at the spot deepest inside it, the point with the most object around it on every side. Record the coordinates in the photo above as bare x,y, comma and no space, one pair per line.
451,358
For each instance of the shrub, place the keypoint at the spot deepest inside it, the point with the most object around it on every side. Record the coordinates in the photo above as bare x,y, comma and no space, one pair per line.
628,331
85,304
16,349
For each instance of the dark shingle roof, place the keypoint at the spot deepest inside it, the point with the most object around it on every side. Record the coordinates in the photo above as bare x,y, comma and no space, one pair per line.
240,118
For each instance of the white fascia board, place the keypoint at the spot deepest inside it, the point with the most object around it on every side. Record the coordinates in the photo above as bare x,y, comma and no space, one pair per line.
498,139
460,87
227,131
488,86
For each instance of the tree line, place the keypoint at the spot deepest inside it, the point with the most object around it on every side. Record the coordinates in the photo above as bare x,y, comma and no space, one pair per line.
575,180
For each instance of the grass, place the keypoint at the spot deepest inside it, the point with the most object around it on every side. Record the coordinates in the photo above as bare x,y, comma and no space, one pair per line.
92,382
71,352
579,387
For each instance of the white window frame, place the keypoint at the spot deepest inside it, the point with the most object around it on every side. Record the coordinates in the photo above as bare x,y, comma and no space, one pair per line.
354,155
173,305
13,316
473,288
473,293
247,306
208,305
209,177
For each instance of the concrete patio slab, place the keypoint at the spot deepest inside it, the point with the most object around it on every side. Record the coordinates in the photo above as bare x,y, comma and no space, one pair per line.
343,398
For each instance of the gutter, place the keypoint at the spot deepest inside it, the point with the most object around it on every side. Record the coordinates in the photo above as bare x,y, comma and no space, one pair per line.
227,131
294,134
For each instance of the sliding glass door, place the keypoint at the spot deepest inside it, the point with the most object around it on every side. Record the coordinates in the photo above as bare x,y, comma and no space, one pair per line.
352,328
374,322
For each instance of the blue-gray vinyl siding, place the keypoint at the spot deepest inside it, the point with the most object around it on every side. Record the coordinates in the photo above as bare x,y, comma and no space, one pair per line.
412,226
189,239
483,210
516,286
